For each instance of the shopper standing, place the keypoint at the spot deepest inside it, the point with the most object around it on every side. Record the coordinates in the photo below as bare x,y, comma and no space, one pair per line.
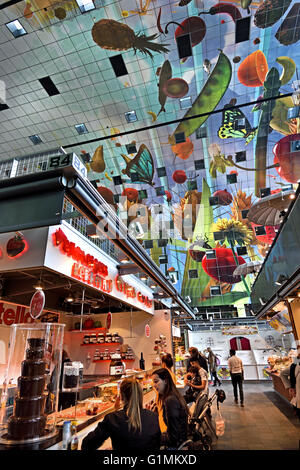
172,408
236,369
291,380
212,362
131,429
167,363
196,356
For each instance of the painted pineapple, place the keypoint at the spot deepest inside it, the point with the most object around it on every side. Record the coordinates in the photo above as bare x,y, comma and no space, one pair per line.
110,34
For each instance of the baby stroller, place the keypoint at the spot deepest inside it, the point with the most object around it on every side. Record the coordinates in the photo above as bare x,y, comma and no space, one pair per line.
201,430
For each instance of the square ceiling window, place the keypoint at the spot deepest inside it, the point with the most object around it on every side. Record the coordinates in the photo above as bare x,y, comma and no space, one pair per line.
242,29
130,116
118,65
173,277
161,172
185,102
240,156
219,235
162,242
160,191
213,201
3,107
184,46
199,164
163,259
85,5
148,244
210,254
260,230
245,213
295,146
191,185
81,129
265,192
201,132
179,137
239,124
287,187
16,28
35,139
193,273
116,198
143,194
293,113
231,179
134,177
241,250
131,148
117,180
215,290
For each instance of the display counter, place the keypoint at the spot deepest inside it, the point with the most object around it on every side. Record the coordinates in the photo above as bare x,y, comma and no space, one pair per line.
87,413
278,384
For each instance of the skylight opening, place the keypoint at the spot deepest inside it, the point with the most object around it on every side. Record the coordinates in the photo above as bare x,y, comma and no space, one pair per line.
185,102
85,5
35,139
16,28
81,129
49,86
131,116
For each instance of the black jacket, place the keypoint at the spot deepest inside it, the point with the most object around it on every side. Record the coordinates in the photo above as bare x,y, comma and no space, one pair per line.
115,425
176,419
200,359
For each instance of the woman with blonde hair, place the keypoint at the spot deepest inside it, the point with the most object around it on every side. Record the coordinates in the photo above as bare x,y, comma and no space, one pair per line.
131,429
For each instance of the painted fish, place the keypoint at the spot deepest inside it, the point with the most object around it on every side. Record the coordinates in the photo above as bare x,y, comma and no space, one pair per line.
165,74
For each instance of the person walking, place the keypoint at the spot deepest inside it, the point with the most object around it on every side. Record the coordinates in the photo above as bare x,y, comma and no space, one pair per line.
236,369
131,429
291,380
171,408
212,362
196,356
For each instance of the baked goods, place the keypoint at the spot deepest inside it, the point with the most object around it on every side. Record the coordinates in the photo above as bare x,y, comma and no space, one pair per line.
28,420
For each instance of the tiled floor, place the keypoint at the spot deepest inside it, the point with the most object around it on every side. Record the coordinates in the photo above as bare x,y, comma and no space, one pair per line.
267,422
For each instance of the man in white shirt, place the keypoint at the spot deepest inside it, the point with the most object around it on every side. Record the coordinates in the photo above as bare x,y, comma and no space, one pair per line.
237,375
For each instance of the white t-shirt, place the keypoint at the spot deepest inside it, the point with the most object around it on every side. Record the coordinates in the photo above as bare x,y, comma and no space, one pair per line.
204,376
235,365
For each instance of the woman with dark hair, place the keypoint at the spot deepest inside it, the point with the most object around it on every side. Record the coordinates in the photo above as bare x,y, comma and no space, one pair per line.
167,363
131,429
172,409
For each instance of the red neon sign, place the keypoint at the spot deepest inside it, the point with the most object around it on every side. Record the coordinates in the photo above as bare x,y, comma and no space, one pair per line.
77,254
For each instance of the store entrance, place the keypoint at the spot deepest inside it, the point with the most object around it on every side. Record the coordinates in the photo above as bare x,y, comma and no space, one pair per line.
240,343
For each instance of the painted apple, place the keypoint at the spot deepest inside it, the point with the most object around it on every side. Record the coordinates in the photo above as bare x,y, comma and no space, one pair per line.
224,196
289,160
15,246
131,194
179,176
89,323
184,149
221,268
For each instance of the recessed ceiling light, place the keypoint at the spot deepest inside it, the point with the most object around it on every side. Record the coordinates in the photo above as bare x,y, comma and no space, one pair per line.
85,5
16,28
35,139
131,116
81,129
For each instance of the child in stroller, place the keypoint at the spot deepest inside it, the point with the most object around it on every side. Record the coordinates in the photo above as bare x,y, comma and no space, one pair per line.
197,381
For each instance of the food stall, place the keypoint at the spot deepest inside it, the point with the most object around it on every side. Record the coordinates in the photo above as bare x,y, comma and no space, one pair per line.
276,365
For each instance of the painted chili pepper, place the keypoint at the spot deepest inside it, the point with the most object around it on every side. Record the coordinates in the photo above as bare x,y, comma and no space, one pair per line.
227,8
158,23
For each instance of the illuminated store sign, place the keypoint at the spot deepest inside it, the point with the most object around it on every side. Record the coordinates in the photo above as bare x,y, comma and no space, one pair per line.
10,314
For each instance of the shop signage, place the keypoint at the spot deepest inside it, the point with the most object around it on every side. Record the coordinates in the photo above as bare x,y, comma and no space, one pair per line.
281,322
91,271
240,330
37,304
108,320
10,314
147,331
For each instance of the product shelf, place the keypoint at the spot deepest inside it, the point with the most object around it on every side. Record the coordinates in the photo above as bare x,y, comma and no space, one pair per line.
108,360
99,344
86,330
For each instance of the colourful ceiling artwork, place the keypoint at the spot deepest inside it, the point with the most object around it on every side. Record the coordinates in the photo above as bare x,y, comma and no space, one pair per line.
191,113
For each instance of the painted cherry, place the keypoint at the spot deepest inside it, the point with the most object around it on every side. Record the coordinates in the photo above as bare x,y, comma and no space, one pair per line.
179,176
222,267
131,194
169,196
289,161
194,26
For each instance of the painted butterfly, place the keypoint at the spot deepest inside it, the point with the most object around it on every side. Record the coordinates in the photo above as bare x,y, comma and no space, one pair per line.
235,125
141,168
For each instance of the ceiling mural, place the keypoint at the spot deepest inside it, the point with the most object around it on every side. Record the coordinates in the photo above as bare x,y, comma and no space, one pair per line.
191,121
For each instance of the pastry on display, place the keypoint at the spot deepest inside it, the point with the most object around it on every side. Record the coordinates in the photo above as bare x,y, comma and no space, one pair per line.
28,420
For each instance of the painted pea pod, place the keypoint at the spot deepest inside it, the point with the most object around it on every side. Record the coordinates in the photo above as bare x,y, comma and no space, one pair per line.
208,98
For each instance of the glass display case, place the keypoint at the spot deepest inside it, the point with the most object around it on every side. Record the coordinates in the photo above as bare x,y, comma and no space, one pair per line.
34,365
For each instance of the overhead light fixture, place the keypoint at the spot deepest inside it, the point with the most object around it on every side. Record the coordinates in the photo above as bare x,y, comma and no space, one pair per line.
39,286
188,299
280,279
124,260
16,28
69,297
292,196
144,277
153,286
85,5
262,301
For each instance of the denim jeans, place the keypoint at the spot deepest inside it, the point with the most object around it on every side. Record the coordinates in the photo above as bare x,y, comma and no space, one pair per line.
237,382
